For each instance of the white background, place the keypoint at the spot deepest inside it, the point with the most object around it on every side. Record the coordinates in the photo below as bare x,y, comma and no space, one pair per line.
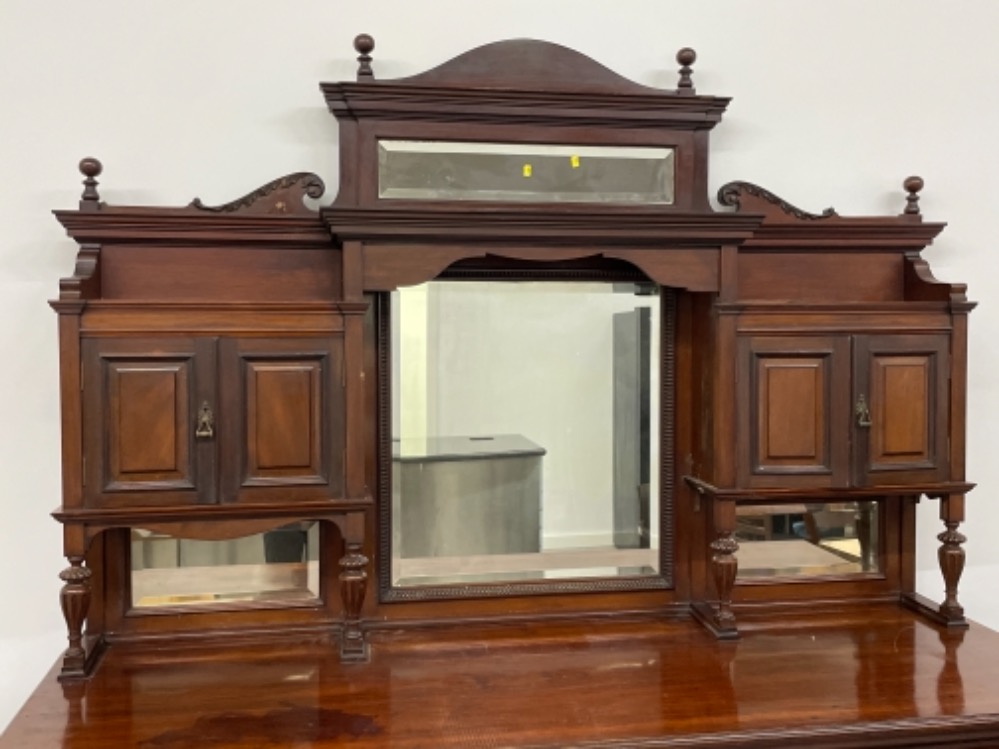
835,103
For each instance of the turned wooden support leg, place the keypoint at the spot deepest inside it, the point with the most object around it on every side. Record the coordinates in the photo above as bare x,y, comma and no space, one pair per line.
724,565
353,587
75,600
951,556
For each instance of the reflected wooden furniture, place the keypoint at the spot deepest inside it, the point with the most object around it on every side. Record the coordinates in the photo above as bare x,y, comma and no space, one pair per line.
225,371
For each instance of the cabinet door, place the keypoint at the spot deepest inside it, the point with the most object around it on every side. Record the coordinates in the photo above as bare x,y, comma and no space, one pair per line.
794,411
141,400
282,405
903,383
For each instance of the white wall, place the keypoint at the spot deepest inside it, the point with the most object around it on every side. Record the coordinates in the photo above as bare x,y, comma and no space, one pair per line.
836,103
522,359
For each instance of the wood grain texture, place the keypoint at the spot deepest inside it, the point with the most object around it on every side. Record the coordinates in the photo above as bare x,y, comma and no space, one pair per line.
871,676
220,274
794,427
906,380
283,402
140,401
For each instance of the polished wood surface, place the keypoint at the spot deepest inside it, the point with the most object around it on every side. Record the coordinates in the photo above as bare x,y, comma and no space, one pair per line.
865,677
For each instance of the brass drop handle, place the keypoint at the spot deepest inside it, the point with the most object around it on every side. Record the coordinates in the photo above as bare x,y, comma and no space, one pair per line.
206,423
862,412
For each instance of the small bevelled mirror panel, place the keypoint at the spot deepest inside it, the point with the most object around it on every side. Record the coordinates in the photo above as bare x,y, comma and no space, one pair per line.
825,539
527,173
276,568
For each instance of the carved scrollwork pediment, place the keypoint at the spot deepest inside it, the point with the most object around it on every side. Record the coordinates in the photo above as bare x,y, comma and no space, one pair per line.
283,196
750,198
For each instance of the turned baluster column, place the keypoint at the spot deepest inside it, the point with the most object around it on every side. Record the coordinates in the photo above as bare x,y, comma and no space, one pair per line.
724,564
951,556
353,588
75,600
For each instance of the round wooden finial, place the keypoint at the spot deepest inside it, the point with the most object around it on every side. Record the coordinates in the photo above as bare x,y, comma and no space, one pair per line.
912,186
364,44
686,57
90,168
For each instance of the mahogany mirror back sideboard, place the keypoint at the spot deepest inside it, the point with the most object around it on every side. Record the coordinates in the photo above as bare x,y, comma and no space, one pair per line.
520,377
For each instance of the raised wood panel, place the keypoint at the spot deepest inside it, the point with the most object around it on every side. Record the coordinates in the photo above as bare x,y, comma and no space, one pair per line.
149,420
900,389
905,381
793,431
140,403
791,397
283,418
283,434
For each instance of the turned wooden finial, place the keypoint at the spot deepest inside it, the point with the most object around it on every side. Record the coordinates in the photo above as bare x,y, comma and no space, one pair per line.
364,43
90,168
686,57
912,185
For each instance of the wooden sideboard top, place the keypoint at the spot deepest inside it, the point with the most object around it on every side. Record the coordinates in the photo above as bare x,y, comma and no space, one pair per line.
866,676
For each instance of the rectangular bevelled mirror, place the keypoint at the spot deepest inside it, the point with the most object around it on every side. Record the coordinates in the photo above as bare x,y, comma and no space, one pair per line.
823,539
449,170
525,432
279,567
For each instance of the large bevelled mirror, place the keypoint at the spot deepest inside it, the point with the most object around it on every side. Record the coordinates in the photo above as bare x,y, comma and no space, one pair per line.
525,435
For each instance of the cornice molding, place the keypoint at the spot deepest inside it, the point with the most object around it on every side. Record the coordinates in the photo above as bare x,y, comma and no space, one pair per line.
372,101
193,226
517,224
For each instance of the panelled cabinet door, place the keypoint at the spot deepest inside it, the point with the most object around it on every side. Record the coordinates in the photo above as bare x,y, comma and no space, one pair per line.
283,409
142,404
795,431
901,387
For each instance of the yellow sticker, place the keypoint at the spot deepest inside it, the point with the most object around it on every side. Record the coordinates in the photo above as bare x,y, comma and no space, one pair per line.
527,170
574,160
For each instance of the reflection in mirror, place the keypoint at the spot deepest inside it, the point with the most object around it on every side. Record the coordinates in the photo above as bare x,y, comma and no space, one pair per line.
805,540
525,442
442,170
279,567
